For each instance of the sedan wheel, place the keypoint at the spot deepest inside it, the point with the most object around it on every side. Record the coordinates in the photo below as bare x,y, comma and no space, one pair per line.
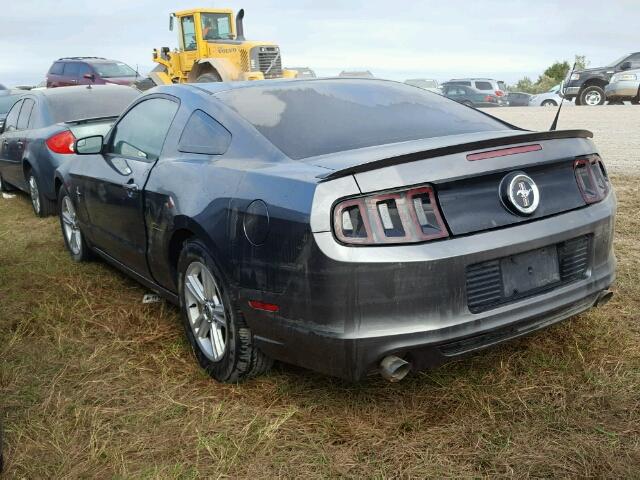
206,311
549,103
216,329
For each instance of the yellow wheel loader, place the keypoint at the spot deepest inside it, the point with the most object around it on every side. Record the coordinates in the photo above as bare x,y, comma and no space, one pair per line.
212,48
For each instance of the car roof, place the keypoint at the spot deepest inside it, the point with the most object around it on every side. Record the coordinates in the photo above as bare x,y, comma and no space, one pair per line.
469,79
217,87
87,59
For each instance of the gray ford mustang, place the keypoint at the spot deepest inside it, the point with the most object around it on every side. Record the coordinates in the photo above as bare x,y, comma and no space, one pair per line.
345,225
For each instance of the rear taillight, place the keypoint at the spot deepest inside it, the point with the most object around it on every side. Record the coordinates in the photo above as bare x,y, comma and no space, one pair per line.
406,216
592,178
61,142
499,93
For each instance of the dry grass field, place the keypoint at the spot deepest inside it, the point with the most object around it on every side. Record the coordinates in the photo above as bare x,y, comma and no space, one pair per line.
94,384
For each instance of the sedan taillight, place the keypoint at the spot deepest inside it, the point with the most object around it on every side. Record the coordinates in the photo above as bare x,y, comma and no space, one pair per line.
592,178
406,216
61,142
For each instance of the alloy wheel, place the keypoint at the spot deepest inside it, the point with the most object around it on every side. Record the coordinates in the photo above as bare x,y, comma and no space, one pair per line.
205,311
35,194
593,98
71,230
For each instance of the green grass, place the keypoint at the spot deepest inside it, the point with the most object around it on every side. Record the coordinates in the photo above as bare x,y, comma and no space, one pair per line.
95,384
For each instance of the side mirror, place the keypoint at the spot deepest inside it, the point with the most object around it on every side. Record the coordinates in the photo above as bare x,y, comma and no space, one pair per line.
89,145
625,66
89,76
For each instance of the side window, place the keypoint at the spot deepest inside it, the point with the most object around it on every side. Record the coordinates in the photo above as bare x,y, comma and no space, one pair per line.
83,69
57,68
71,69
635,60
25,113
203,134
188,33
484,86
11,122
142,131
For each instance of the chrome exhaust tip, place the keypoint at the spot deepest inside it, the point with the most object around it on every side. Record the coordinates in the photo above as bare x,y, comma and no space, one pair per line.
394,368
603,298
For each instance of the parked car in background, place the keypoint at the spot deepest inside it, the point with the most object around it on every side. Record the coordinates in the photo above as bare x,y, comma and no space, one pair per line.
356,74
624,86
72,71
588,86
518,99
7,99
303,72
483,85
390,230
551,98
470,97
40,129
425,84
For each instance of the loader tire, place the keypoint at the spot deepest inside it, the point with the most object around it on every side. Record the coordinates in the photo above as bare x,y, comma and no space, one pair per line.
209,77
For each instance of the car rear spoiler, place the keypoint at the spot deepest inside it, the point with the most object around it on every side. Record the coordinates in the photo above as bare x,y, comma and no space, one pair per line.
91,120
458,148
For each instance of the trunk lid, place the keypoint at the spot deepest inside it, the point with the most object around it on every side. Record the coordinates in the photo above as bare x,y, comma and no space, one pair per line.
468,191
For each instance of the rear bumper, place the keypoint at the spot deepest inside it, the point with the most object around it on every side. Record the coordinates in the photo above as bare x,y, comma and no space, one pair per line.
350,307
626,90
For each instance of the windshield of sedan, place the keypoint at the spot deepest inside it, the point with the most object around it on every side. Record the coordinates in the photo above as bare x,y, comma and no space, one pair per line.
317,117
111,70
216,26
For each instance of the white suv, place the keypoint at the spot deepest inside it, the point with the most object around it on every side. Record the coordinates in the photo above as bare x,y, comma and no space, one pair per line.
483,85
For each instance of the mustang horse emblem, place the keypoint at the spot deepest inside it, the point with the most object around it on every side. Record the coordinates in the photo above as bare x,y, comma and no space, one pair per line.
524,192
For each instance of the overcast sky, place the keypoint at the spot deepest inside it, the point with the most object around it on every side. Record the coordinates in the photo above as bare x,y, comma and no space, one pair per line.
422,39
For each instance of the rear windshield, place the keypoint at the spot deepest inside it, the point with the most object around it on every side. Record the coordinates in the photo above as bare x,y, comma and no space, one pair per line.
304,119
83,103
116,69
6,102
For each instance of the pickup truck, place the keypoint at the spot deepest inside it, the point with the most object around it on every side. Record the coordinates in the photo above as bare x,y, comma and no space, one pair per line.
588,86
624,86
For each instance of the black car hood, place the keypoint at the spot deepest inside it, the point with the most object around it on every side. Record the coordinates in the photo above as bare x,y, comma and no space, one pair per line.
595,70
354,161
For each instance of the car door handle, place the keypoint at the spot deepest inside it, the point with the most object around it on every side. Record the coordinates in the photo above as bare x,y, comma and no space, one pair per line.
20,143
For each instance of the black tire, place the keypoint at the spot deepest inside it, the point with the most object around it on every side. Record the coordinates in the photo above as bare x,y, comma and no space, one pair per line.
592,90
241,359
636,101
80,252
42,206
209,78
549,103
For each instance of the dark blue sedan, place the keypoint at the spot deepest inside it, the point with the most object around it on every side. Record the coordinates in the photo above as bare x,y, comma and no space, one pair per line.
349,226
40,129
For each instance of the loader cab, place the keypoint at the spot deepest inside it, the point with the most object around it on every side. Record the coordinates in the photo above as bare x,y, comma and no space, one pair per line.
197,28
